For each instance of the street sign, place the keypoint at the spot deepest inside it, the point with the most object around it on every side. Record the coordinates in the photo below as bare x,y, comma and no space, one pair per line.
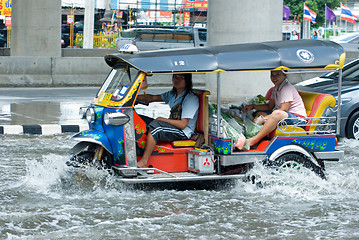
70,18
8,21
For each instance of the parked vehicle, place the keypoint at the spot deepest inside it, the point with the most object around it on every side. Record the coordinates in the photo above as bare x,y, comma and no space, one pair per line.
349,41
62,41
3,42
163,38
117,134
328,83
3,38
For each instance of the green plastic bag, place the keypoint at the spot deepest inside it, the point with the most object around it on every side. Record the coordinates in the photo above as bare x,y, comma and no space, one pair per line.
252,129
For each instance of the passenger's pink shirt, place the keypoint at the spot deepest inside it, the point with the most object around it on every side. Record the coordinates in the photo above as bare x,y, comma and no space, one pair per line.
287,93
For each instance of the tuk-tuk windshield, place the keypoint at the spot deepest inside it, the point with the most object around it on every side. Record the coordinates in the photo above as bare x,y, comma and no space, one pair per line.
119,82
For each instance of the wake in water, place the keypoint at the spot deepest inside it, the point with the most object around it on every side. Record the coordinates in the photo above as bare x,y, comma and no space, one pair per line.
342,179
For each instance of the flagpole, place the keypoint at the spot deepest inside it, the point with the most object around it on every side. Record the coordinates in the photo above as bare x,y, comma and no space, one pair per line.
334,29
341,22
325,28
325,21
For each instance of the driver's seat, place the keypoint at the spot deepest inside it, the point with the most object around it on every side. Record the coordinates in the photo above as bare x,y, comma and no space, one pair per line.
202,120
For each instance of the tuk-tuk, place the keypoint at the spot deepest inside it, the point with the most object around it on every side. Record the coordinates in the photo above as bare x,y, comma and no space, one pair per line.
117,134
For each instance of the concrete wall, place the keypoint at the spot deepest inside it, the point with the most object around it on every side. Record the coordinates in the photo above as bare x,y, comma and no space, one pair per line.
80,52
66,71
52,71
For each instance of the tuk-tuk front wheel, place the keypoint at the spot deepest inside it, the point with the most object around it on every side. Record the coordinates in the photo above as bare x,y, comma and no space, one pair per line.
86,158
296,161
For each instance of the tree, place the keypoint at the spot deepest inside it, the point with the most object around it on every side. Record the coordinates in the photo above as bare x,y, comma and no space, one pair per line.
318,6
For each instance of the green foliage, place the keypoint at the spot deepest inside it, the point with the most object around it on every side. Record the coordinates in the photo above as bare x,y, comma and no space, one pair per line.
78,42
329,32
259,99
318,6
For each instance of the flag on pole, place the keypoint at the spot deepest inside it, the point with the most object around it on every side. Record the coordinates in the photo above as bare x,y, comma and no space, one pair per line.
347,15
329,14
286,12
309,14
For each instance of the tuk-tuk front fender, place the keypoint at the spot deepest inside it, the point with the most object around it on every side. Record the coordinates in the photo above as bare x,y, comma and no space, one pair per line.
91,136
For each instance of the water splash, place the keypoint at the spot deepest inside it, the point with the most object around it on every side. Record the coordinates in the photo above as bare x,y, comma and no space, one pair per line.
48,201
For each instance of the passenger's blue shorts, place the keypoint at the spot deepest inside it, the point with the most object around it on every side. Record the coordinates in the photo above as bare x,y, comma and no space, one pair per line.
166,132
294,119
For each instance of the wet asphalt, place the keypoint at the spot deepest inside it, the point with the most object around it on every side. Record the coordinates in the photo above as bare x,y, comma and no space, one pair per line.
30,106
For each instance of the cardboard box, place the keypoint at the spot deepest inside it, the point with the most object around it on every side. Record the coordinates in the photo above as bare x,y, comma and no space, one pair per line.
200,161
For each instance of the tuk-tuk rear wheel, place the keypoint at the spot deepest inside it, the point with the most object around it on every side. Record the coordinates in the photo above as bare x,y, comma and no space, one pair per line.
296,161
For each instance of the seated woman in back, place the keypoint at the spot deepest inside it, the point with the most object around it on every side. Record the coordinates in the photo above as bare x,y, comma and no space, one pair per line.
285,102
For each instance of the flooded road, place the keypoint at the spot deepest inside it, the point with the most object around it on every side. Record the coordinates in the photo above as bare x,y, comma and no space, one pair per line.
40,198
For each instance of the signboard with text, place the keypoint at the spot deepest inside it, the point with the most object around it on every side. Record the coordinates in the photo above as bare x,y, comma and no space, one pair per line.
186,18
5,7
197,4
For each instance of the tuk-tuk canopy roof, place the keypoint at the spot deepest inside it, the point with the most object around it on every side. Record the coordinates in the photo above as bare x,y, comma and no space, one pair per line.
284,55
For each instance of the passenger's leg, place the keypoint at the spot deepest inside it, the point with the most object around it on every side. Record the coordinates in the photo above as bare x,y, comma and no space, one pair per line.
264,114
260,117
268,126
150,145
158,130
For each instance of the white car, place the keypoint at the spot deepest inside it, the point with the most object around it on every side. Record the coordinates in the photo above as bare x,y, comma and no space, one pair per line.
349,41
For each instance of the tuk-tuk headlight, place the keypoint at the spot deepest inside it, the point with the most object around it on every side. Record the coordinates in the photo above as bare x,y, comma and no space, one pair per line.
116,118
90,115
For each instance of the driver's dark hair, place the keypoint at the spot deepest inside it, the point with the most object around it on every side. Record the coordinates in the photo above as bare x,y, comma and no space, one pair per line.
188,79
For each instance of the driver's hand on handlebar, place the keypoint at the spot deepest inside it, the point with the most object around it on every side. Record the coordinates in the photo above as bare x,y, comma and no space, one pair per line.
143,97
248,108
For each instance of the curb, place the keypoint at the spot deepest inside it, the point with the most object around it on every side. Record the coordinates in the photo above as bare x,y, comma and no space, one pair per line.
44,129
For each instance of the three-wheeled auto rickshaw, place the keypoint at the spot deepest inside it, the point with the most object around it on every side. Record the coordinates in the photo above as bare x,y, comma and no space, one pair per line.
116,136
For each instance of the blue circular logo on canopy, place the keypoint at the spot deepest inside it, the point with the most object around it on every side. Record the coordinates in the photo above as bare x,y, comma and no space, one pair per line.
305,55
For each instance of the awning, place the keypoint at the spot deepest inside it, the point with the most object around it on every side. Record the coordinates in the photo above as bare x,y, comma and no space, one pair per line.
299,54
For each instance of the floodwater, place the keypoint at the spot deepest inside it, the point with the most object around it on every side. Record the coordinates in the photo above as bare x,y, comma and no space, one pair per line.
41,199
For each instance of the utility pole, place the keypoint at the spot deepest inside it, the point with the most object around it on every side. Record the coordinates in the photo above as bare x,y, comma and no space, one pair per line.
156,11
89,22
